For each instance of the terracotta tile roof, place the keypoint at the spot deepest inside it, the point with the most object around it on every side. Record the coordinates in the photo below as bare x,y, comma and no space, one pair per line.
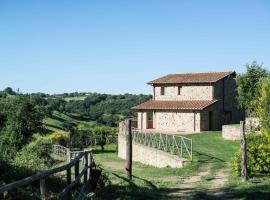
210,77
175,105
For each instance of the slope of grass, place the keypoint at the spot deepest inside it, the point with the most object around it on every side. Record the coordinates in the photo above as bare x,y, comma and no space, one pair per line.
59,120
151,182
78,98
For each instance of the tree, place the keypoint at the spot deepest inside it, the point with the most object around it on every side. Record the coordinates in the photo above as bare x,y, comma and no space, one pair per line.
248,85
21,119
9,91
264,107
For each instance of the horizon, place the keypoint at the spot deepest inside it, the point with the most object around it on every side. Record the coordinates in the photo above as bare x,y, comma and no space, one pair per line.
117,47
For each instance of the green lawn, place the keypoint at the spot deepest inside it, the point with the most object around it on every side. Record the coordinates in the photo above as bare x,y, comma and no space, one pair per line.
153,183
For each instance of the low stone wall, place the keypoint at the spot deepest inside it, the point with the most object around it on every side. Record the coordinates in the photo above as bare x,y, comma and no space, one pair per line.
150,156
231,132
252,123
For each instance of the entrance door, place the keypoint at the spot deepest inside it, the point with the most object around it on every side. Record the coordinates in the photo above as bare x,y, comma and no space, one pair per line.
210,121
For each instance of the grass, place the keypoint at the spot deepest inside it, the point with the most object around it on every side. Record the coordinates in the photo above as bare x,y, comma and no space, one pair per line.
58,121
79,98
153,183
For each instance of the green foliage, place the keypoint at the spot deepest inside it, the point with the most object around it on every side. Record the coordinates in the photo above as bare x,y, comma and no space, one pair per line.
36,155
264,108
9,91
258,156
248,85
31,158
20,119
96,134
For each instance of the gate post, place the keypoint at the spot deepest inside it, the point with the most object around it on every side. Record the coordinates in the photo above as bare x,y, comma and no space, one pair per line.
244,151
128,148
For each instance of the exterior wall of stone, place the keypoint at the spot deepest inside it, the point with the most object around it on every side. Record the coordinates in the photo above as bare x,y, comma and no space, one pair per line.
231,132
149,156
182,121
252,123
188,92
230,102
225,111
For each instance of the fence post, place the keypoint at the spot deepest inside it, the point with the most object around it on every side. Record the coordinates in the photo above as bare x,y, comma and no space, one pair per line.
244,151
77,166
89,162
69,182
43,189
86,167
128,148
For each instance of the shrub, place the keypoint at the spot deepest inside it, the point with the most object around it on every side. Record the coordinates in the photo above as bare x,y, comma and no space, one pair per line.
258,156
97,135
35,155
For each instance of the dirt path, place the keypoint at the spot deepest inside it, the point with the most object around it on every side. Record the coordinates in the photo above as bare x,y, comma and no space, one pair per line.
220,179
188,185
191,184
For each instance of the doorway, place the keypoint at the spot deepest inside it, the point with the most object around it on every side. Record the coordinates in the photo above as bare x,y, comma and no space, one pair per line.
210,121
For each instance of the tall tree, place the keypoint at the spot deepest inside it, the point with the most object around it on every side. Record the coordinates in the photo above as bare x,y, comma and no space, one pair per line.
248,85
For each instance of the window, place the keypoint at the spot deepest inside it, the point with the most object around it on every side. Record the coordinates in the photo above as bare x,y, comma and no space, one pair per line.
179,90
164,91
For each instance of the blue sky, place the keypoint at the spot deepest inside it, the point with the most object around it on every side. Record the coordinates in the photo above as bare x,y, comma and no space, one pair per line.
117,46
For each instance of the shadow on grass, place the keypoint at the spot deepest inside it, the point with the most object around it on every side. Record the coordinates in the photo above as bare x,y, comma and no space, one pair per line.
205,158
78,117
63,120
53,126
130,190
99,151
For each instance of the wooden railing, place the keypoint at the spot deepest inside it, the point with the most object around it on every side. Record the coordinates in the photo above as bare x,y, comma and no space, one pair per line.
66,193
175,144
64,152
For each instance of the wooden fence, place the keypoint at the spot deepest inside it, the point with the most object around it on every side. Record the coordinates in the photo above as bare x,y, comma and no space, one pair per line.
65,153
66,193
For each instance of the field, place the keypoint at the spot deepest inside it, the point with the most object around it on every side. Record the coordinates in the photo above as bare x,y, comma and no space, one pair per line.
58,121
208,177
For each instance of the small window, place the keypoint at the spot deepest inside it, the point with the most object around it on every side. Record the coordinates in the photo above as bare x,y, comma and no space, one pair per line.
179,90
164,91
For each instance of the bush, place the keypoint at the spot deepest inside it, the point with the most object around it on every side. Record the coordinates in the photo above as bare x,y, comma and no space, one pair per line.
97,135
35,155
258,156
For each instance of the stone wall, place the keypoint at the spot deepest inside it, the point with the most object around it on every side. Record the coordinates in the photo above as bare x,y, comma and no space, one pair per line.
178,121
149,156
252,123
231,132
197,92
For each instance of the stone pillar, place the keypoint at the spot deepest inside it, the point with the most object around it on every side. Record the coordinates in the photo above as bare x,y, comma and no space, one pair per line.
154,119
144,120
139,120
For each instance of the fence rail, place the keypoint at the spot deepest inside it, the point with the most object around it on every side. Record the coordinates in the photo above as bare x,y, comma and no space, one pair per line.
87,161
178,145
64,152
92,140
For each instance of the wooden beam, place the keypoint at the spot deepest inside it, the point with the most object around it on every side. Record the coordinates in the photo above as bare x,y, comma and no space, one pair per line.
128,149
43,189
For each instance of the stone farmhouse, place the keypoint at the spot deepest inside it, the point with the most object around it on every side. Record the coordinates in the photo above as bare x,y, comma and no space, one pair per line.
191,102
